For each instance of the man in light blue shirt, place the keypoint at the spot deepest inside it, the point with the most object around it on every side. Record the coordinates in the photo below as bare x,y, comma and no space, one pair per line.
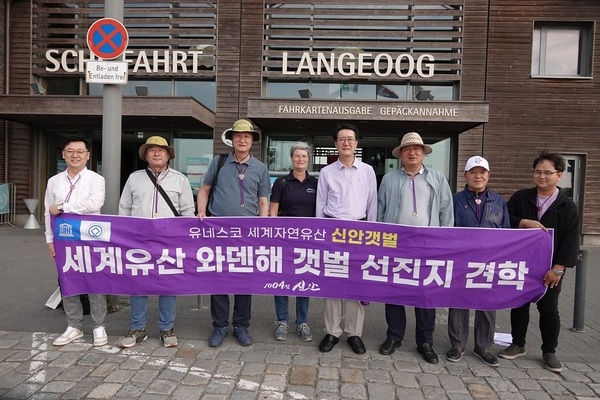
347,189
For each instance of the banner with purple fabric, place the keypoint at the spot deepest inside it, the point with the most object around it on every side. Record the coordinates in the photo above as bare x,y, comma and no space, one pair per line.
475,268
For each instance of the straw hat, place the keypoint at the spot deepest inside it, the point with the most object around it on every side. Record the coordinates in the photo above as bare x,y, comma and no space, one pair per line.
411,139
156,141
243,125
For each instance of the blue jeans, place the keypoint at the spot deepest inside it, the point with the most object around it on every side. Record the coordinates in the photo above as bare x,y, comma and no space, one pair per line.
281,308
139,312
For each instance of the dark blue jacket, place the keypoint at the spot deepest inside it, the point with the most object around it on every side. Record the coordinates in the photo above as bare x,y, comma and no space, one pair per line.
495,213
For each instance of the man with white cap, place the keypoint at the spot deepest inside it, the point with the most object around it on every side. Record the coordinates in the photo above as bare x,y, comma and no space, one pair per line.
418,196
141,197
242,188
477,207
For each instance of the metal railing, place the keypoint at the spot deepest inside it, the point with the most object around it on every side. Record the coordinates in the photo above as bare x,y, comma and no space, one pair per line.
8,197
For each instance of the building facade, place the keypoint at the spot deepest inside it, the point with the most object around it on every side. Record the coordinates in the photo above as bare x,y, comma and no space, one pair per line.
503,79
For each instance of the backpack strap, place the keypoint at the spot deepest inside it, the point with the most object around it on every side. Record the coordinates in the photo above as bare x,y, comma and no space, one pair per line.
220,163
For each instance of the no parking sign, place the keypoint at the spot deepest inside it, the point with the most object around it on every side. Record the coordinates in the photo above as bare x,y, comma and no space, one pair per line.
107,38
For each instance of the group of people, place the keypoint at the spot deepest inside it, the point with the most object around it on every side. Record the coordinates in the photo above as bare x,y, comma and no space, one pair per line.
239,185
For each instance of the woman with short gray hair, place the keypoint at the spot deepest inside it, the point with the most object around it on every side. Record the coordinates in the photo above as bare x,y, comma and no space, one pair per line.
294,195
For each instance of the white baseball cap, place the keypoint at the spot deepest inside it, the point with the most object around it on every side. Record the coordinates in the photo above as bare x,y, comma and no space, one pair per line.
477,161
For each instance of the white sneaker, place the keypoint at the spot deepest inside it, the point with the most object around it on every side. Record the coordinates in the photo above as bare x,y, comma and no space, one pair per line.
67,337
100,337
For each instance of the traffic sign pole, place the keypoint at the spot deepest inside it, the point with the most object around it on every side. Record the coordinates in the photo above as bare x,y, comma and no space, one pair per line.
112,101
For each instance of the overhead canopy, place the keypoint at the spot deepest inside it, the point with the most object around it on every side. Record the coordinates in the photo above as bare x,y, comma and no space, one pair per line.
85,112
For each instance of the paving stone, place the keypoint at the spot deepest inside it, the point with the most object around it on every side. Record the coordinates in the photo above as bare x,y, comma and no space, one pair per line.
382,376
274,382
58,386
161,386
144,376
327,386
578,389
352,375
120,376
76,393
380,391
303,375
452,384
405,380
22,391
229,369
11,380
132,389
353,391
187,393
253,368
480,391
433,392
220,386
300,392
535,395
502,385
105,391
328,373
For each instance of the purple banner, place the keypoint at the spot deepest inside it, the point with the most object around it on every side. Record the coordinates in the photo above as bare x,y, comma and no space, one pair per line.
475,268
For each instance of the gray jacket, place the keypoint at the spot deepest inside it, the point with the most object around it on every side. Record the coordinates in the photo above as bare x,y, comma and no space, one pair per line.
392,184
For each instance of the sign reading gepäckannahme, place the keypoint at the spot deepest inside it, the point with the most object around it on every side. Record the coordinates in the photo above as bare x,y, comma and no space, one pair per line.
474,268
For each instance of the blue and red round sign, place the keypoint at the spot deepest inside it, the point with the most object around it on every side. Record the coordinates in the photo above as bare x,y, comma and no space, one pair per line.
107,38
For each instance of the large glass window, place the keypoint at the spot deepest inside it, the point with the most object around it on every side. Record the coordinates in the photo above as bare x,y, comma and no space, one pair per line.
203,91
360,91
193,156
562,50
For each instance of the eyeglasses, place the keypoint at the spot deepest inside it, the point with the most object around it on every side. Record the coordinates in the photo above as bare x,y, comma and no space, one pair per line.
546,174
71,152
346,139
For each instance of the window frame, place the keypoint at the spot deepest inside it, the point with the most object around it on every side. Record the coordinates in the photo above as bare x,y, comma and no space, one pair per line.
585,49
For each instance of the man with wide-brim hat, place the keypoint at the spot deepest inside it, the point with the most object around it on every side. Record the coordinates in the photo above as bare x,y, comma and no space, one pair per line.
419,196
141,197
243,125
411,139
235,184
156,141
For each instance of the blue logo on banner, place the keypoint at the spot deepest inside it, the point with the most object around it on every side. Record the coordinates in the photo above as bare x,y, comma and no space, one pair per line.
67,229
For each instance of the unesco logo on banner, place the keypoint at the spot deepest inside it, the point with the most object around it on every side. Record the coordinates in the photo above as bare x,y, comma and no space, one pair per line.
84,230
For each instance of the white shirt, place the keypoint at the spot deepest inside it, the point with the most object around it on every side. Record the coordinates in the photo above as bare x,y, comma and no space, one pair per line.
86,196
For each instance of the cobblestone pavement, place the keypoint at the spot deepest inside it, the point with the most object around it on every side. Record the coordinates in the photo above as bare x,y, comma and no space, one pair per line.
32,368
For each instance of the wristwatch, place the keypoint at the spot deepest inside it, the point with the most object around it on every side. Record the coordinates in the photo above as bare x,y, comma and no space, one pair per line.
60,207
557,272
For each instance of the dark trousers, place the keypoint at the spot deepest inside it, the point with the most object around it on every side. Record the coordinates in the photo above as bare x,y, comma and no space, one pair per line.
549,320
219,310
395,316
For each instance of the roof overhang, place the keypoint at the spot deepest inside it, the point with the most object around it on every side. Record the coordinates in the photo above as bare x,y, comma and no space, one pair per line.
434,119
85,112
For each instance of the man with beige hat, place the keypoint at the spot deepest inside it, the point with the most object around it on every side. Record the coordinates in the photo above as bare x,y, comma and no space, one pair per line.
142,197
241,187
418,196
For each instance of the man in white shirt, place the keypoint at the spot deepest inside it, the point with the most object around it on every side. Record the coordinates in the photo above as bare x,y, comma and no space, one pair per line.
76,190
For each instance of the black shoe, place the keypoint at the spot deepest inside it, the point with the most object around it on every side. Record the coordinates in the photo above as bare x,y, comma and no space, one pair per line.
389,346
487,357
357,344
327,343
454,355
428,353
